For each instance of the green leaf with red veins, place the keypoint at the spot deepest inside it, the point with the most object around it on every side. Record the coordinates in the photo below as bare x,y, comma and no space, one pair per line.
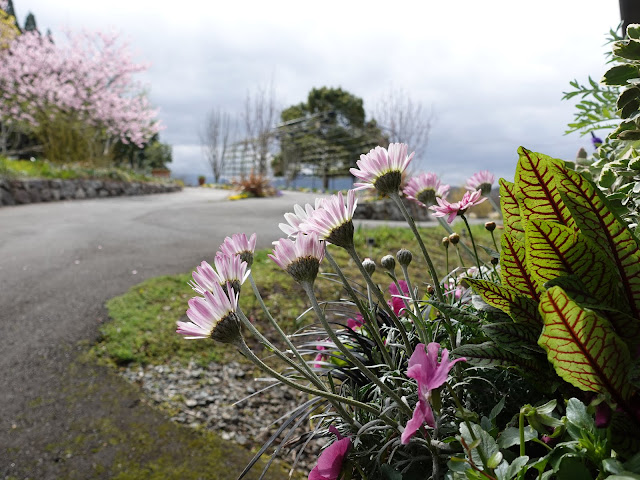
610,234
514,271
489,354
510,210
537,193
520,308
626,326
583,347
554,250
516,338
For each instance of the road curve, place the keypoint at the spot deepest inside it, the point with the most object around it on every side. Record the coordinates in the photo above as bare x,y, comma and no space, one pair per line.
59,263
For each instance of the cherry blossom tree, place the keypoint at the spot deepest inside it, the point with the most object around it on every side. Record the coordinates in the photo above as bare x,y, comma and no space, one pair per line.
80,92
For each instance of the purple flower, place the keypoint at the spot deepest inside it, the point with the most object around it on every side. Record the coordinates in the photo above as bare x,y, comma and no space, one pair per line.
300,258
331,459
240,245
482,181
332,221
596,141
425,369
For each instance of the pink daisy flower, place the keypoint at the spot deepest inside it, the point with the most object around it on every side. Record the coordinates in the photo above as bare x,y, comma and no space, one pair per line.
331,459
357,322
240,245
425,369
451,210
425,188
382,169
333,220
482,181
212,316
300,258
229,269
299,215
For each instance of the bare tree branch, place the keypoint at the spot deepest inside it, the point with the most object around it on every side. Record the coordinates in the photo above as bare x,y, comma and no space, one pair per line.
260,116
404,120
216,138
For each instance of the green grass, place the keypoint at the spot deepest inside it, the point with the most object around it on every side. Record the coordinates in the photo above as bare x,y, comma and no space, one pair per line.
143,320
48,170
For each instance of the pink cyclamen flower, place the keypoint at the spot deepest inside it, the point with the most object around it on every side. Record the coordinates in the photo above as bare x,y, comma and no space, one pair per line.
451,210
299,215
320,357
331,459
333,220
300,258
353,323
229,269
240,245
382,168
482,181
212,316
397,303
425,188
425,369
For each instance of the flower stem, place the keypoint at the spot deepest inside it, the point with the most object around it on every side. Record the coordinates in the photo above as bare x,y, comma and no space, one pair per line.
246,351
449,230
412,224
313,376
394,318
473,242
521,428
370,317
308,287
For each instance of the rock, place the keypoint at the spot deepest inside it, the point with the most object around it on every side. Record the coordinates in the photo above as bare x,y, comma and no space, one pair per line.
21,197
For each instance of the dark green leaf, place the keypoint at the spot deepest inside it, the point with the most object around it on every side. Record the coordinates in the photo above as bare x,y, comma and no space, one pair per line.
511,436
389,473
620,74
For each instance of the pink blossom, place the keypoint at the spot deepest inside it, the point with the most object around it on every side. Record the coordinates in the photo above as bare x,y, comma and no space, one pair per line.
354,323
425,369
240,245
300,258
210,315
299,215
320,357
88,78
332,221
382,168
397,303
482,181
425,188
331,459
451,210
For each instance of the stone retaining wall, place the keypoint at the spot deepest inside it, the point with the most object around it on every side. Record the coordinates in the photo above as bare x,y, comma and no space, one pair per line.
388,210
16,192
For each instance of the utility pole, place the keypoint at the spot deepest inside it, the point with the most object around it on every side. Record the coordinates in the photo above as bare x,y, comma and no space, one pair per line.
629,13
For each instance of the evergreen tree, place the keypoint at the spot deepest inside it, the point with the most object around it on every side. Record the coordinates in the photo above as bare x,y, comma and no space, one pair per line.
30,23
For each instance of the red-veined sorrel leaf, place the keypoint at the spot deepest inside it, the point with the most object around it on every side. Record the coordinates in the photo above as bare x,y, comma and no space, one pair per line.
510,210
489,354
514,271
609,233
518,338
520,308
554,250
626,326
536,189
583,347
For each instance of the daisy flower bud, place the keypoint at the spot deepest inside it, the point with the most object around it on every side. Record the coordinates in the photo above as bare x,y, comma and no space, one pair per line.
369,266
404,257
454,238
388,263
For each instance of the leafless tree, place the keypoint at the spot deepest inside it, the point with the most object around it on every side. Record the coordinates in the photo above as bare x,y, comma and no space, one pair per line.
216,138
260,116
404,119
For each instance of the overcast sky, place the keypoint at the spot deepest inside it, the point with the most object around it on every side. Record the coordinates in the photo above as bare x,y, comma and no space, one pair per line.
493,71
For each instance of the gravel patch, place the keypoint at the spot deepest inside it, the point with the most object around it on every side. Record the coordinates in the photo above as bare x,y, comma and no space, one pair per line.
205,397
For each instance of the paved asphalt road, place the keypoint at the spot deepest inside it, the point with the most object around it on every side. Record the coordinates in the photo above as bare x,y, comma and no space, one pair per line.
59,263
